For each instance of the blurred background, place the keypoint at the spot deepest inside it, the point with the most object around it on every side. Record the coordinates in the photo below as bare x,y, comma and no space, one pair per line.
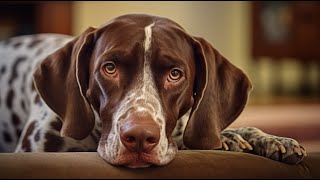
276,43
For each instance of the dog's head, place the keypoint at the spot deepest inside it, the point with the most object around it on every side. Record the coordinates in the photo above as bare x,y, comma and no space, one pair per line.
139,74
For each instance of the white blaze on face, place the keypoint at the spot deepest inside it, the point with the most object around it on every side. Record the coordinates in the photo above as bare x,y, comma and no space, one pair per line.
144,98
147,40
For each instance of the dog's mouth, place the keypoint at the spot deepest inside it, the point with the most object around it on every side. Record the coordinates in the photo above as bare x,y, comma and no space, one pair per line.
140,161
135,160
126,158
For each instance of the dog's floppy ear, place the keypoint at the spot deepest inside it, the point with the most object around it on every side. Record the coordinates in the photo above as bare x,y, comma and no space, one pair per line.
61,80
221,93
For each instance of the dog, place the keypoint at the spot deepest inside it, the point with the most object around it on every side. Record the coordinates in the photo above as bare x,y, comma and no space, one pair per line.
135,90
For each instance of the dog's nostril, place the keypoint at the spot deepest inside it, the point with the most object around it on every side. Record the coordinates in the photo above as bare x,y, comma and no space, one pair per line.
130,139
152,140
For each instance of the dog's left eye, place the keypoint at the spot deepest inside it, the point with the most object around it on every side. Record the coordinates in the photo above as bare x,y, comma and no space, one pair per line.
110,68
174,75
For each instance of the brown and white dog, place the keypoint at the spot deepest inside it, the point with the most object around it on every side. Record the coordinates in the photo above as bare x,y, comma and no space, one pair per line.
135,89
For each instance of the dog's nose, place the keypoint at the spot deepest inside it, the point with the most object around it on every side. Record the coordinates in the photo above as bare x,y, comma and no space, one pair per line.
139,135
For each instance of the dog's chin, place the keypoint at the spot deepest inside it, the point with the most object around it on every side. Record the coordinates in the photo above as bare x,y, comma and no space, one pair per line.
134,160
137,160
138,164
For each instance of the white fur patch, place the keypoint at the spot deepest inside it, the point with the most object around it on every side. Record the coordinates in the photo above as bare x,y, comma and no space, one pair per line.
177,134
148,37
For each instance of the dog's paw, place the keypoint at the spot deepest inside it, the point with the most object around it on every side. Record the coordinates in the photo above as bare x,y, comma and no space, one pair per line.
234,142
282,149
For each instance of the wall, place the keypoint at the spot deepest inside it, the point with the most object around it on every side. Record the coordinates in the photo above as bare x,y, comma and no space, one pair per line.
215,21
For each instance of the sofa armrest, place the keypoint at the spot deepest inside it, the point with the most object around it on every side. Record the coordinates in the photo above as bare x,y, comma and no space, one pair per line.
187,164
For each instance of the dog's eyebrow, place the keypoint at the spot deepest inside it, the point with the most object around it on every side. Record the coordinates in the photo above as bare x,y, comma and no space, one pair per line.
117,55
111,54
172,60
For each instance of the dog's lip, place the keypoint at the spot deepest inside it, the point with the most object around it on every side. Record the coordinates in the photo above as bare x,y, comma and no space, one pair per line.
135,160
127,158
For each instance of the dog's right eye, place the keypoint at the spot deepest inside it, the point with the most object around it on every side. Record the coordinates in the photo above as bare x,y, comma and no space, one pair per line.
110,68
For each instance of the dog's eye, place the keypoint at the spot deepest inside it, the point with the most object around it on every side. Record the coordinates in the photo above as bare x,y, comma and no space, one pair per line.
110,68
174,75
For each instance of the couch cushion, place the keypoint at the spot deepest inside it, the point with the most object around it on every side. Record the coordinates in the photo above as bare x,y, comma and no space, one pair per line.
187,164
